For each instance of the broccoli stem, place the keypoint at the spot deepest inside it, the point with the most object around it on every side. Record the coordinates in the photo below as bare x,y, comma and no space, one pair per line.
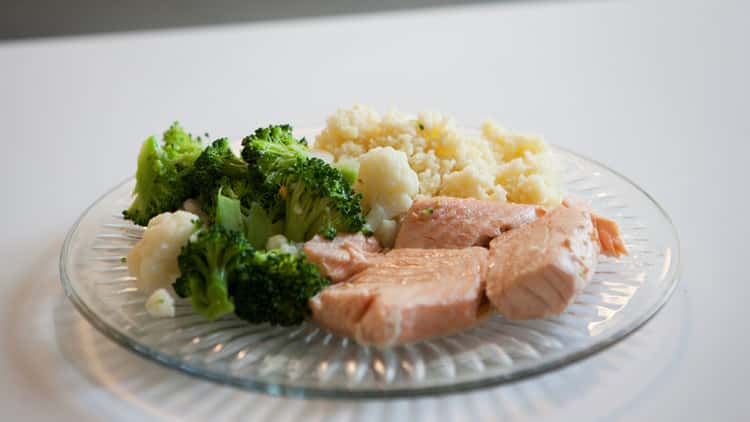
212,300
210,293
259,227
229,213
301,214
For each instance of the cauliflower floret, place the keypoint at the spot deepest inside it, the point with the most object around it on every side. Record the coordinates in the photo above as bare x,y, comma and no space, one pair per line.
281,243
276,241
383,228
395,192
153,260
376,216
386,233
160,304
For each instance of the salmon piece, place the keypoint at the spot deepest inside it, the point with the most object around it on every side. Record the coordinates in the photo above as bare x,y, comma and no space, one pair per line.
536,270
413,257
608,234
454,223
342,257
610,243
407,295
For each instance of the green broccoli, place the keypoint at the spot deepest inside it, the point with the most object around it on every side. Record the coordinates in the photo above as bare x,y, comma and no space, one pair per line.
229,213
259,226
318,198
222,273
319,201
272,149
253,222
349,169
181,146
275,287
207,266
216,162
219,169
159,179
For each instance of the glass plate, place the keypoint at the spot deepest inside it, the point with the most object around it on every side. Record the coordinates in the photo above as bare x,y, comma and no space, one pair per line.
309,361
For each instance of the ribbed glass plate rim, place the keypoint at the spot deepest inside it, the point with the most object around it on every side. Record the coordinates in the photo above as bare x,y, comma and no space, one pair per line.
302,391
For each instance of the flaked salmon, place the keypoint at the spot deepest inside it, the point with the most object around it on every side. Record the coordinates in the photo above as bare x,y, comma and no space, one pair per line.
537,269
407,295
610,243
608,234
342,257
454,223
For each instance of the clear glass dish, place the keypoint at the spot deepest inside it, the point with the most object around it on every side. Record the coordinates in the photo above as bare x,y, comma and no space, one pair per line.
308,361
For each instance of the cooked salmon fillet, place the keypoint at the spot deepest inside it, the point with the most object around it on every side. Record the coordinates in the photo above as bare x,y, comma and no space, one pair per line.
454,223
407,295
342,257
537,269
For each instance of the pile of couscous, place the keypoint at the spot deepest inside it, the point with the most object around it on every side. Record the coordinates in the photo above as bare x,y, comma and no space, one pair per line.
496,164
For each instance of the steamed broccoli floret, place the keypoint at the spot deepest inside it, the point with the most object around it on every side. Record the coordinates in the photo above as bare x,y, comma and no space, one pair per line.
318,198
181,146
219,169
272,149
207,266
216,162
275,287
159,179
254,222
319,201
269,152
222,273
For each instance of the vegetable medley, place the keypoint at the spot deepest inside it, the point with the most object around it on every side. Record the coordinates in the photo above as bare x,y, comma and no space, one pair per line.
276,194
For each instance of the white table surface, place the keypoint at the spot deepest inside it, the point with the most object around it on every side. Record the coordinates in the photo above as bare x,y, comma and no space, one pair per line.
658,91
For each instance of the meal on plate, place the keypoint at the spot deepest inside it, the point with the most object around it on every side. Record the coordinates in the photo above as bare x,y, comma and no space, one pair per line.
386,229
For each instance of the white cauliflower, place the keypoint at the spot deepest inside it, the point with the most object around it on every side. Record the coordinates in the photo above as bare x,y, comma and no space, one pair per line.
153,260
281,243
160,304
383,228
386,233
385,179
